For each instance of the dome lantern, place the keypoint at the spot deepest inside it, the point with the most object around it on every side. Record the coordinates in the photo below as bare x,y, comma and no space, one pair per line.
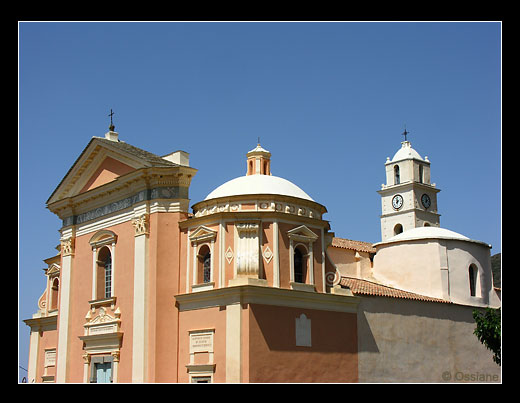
258,161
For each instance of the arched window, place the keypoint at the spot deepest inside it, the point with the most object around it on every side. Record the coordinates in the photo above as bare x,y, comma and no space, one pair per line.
397,176
473,272
301,258
398,229
204,265
103,245
207,268
104,273
54,294
300,268
420,174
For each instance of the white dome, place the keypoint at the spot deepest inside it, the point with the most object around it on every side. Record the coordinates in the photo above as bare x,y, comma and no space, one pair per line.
427,232
406,152
258,184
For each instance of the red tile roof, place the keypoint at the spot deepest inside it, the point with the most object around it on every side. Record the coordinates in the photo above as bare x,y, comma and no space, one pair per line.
365,287
354,245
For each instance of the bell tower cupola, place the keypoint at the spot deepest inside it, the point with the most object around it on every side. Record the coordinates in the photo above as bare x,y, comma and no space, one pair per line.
258,161
408,199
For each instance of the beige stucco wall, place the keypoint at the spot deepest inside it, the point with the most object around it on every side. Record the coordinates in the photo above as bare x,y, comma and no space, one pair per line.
350,265
412,266
411,341
437,268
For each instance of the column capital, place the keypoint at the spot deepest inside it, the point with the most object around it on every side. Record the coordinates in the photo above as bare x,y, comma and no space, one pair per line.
67,246
141,224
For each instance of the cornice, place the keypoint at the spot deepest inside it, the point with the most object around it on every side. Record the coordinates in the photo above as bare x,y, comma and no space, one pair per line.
270,198
410,184
253,216
417,160
410,210
167,183
43,323
251,294
260,206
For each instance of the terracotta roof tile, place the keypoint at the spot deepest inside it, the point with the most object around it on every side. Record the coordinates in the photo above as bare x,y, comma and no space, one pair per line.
365,287
354,245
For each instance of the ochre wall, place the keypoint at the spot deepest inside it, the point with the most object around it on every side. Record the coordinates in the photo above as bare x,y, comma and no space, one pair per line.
273,354
199,319
81,293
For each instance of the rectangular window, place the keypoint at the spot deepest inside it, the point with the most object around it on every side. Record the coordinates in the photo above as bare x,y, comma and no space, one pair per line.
101,369
103,372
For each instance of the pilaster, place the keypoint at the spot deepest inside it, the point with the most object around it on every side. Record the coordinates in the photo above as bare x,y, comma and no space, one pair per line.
67,257
140,308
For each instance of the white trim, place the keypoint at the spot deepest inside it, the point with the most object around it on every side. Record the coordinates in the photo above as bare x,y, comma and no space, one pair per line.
113,268
63,329
33,355
212,261
188,254
253,294
194,268
139,346
156,206
105,222
276,255
222,258
233,343
94,273
305,237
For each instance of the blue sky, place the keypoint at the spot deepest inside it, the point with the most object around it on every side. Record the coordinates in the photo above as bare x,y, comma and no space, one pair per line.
329,100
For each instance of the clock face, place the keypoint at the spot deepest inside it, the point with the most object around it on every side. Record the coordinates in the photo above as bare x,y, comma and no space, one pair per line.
425,200
397,202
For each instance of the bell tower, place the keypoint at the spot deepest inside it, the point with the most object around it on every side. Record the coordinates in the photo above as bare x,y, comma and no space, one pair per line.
408,199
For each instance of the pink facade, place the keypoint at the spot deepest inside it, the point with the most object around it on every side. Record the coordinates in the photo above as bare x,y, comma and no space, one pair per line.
250,286
241,290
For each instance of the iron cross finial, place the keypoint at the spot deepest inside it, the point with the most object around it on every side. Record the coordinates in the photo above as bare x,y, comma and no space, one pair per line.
405,133
111,127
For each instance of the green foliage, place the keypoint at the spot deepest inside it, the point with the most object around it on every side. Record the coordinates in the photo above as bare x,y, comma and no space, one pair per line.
488,330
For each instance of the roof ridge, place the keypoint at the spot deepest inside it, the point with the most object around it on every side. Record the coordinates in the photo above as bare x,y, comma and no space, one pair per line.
392,292
353,244
138,152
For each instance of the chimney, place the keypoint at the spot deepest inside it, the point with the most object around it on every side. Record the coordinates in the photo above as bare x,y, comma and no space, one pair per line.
178,157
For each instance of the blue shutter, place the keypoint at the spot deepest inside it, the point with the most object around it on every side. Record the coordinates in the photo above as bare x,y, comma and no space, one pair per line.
103,372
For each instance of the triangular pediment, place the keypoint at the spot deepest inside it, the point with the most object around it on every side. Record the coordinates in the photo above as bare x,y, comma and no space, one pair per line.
101,162
202,233
109,170
53,270
302,233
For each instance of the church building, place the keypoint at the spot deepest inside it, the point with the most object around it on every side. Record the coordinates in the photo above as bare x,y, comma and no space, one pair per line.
252,285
